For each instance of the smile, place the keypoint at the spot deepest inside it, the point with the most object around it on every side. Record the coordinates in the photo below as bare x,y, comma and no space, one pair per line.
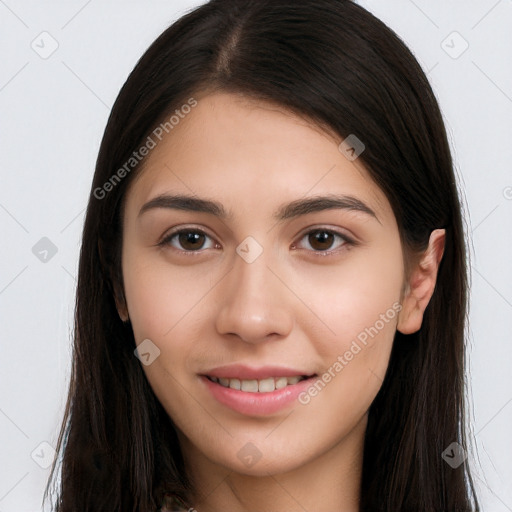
256,397
258,386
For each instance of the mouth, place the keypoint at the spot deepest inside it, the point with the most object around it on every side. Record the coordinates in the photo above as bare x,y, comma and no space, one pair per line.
257,397
267,385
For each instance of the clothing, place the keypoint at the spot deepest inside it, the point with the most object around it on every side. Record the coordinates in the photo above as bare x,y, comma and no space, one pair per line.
173,503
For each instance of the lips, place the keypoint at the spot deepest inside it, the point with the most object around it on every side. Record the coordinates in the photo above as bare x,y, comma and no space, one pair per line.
256,391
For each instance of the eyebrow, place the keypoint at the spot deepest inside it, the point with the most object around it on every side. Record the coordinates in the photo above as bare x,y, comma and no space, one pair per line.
287,211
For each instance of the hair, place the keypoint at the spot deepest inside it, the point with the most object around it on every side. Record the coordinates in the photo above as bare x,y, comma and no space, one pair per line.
341,68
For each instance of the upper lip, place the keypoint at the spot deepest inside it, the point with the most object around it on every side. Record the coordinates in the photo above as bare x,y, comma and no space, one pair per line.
244,372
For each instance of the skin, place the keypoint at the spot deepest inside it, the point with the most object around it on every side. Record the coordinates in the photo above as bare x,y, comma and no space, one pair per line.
290,306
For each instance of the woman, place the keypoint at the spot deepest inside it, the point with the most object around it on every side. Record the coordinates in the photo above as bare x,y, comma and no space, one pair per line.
272,285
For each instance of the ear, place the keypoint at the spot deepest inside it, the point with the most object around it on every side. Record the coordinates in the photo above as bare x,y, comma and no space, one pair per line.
120,300
421,284
114,282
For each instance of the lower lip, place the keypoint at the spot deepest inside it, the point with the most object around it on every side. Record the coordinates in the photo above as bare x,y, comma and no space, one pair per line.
256,404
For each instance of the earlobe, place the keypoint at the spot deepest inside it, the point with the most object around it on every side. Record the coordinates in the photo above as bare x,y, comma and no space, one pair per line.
114,282
123,313
121,307
421,285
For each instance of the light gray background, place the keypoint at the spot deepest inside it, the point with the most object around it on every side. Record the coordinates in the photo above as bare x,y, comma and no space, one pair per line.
53,111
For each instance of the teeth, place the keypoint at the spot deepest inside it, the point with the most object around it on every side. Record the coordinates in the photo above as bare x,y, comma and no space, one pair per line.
281,382
233,383
266,385
249,385
262,386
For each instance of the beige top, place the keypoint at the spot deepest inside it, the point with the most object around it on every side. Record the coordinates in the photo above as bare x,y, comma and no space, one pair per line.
173,503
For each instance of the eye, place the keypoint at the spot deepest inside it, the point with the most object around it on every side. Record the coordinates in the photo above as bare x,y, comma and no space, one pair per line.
187,240
323,240
320,241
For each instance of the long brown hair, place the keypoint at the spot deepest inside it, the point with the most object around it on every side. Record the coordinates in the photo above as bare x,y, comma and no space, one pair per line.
335,64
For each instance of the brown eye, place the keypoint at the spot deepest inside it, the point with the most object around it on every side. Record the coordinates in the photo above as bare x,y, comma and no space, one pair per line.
325,241
321,240
191,240
188,241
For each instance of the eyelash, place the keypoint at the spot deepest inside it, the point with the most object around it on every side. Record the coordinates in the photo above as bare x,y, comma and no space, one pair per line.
347,241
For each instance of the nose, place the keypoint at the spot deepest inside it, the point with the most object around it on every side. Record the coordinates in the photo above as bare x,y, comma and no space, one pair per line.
254,302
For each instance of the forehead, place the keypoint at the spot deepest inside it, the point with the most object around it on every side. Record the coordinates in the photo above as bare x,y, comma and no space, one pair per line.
250,152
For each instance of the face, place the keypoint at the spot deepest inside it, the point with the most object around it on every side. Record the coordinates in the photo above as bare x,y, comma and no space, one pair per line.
267,285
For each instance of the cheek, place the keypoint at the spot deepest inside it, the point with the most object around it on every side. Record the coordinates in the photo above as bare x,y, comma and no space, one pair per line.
358,295
161,302
355,360
159,297
358,306
167,306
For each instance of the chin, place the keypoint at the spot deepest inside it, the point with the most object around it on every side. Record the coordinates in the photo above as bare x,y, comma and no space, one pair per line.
264,467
